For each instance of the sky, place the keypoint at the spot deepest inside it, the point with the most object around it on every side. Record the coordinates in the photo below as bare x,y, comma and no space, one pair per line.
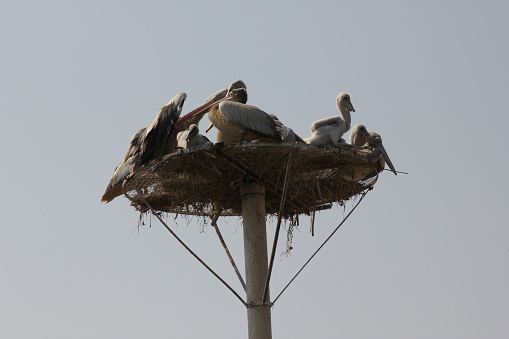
424,255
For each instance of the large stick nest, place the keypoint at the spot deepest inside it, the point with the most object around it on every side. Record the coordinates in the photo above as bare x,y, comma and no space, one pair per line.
207,179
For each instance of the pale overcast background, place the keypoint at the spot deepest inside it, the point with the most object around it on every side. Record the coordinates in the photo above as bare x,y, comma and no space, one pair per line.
426,255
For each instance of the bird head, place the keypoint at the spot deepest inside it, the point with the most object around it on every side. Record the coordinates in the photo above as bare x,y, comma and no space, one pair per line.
177,102
236,91
359,136
376,141
343,102
193,132
237,94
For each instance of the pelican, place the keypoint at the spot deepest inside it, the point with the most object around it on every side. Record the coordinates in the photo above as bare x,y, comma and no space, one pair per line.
159,138
238,122
191,137
330,130
148,143
195,116
359,136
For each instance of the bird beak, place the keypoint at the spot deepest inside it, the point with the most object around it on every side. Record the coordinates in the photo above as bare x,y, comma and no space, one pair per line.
350,107
388,161
203,108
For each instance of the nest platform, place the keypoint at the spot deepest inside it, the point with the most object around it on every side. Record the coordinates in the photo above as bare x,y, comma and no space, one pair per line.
207,179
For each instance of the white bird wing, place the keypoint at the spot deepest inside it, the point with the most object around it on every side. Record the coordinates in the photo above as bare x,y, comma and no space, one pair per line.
331,121
326,134
181,138
251,118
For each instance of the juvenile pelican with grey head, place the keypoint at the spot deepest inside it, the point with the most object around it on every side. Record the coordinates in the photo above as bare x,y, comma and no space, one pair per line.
359,136
191,137
330,130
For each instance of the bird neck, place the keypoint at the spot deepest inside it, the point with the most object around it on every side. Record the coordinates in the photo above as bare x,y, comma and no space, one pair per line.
346,117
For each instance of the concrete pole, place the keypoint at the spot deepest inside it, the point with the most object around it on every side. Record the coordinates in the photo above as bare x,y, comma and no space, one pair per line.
256,262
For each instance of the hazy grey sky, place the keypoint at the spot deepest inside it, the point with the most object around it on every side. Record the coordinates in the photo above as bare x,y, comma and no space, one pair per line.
426,255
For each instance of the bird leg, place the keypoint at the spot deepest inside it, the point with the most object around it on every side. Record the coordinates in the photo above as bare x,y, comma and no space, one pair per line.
209,128
241,139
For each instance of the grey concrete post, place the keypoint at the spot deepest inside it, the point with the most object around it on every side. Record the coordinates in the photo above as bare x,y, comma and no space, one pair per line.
256,262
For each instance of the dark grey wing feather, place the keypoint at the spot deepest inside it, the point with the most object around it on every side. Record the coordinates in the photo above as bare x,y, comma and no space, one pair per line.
201,139
287,134
134,144
122,172
153,141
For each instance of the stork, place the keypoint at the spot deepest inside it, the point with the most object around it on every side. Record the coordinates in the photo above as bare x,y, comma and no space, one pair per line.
330,130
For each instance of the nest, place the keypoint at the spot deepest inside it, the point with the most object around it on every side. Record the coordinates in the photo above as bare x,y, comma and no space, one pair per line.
206,180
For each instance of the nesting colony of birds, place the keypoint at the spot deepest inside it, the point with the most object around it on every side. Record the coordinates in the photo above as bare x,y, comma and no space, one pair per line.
240,125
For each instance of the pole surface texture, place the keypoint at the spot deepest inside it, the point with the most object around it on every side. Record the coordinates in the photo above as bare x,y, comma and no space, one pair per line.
256,261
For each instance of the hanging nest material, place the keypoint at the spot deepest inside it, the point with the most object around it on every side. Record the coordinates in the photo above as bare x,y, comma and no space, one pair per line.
207,179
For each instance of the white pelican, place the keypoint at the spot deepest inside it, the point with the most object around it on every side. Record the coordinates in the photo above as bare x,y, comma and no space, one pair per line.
330,130
191,137
238,122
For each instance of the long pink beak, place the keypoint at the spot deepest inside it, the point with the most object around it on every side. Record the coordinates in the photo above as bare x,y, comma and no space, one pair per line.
206,106
202,109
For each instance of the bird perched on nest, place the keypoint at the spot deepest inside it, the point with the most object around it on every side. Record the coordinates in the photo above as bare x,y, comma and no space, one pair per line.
159,137
330,130
191,137
359,136
238,122
147,144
